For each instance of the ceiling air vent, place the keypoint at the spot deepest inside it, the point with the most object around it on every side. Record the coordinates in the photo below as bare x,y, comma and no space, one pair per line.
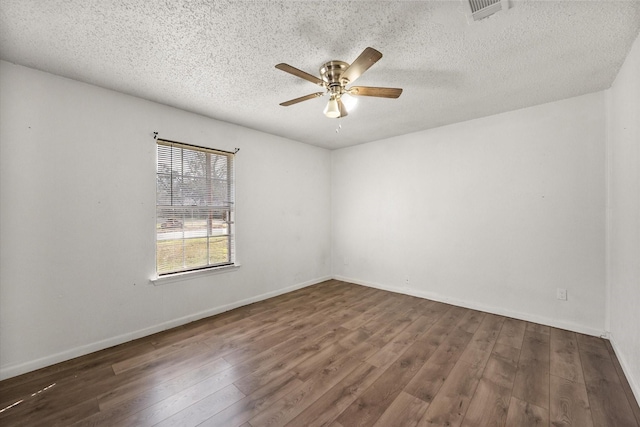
480,9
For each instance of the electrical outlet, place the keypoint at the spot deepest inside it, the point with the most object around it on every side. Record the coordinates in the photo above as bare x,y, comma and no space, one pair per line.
561,294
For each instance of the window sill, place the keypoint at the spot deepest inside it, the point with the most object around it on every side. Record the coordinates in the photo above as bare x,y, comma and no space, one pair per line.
176,277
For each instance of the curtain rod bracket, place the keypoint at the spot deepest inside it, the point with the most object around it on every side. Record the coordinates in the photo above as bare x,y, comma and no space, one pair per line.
236,151
155,135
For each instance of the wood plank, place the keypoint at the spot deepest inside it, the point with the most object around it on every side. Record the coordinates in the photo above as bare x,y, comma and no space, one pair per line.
244,409
500,371
185,409
481,345
623,381
532,378
489,405
288,360
369,406
392,350
327,408
512,333
565,357
432,375
452,401
405,411
524,414
166,398
569,403
131,389
536,327
607,399
265,373
291,405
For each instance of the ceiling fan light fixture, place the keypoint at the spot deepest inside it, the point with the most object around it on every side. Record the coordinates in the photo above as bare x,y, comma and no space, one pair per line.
349,101
332,110
334,78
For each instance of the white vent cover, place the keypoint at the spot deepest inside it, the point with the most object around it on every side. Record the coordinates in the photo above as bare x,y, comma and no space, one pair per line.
480,9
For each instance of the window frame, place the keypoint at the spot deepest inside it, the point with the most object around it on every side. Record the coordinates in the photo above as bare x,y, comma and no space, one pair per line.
220,213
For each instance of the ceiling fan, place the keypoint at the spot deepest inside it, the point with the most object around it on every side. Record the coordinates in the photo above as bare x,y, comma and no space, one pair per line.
334,78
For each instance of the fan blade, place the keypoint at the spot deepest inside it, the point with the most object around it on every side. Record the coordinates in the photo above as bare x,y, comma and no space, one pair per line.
299,73
362,63
381,92
302,98
343,109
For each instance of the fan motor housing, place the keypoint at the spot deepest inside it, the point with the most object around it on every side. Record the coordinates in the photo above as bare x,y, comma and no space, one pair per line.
331,72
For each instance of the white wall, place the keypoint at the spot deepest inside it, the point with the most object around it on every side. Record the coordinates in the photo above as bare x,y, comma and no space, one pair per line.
494,213
77,218
624,216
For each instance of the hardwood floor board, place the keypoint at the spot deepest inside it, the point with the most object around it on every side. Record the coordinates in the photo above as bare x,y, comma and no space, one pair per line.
185,409
449,406
70,391
442,358
47,414
591,343
607,399
153,356
222,347
635,408
569,403
435,308
479,349
247,352
182,372
363,304
444,323
536,327
267,372
327,408
392,350
405,411
152,400
507,353
472,320
199,328
323,379
384,329
500,371
23,386
371,404
565,357
489,405
374,312
325,358
335,354
524,414
532,377
512,333
248,407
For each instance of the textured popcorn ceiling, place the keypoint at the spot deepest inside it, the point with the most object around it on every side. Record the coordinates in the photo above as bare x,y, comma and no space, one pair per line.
217,58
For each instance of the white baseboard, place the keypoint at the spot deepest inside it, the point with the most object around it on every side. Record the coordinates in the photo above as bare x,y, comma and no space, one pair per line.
633,382
570,326
21,368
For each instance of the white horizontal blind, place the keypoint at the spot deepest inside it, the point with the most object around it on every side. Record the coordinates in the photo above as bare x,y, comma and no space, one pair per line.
194,208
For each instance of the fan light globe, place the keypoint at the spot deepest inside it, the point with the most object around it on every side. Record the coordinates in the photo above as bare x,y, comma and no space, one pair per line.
349,101
332,110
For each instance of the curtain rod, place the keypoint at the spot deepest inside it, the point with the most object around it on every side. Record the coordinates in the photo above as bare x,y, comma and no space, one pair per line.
155,136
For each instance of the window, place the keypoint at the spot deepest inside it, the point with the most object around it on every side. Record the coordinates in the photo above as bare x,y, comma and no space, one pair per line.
194,208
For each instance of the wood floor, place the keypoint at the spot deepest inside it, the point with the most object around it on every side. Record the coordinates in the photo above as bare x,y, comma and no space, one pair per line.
335,354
